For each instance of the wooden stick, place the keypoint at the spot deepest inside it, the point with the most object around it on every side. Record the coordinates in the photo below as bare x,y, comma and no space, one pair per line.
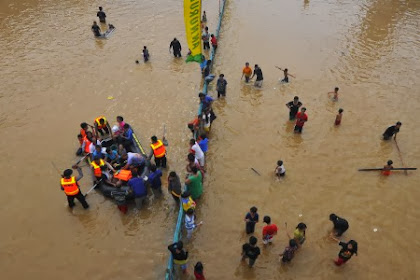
255,171
399,153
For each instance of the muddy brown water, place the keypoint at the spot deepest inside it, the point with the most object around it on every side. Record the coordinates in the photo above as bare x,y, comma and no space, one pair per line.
54,75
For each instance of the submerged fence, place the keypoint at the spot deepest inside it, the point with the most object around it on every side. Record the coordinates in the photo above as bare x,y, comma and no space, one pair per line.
178,228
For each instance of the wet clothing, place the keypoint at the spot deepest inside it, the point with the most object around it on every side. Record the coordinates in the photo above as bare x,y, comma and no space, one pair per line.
301,118
344,255
285,80
154,179
96,30
250,226
214,42
195,187
259,74
269,231
206,36
340,225
299,236
221,87
337,120
390,131
176,46
101,15
146,55
80,197
251,252
289,253
138,187
294,108
179,257
204,144
174,187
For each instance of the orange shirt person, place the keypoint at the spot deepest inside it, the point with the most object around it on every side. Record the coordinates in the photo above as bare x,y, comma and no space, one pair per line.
387,168
247,72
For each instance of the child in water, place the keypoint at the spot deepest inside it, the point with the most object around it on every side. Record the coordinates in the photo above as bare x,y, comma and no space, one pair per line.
346,252
251,218
199,271
335,94
387,168
280,171
299,235
338,117
289,251
286,75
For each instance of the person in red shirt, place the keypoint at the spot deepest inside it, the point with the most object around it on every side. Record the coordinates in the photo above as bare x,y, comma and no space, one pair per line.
213,41
301,118
199,271
268,231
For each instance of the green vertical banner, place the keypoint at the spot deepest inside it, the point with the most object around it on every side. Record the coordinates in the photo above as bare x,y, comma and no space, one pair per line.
192,18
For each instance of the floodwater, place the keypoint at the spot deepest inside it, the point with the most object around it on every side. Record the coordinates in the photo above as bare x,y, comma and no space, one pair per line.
55,75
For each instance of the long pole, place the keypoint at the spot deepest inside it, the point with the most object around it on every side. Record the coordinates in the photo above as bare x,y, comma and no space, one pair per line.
399,153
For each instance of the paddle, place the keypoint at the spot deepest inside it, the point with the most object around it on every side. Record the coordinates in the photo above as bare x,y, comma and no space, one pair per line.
164,141
399,153
393,169
58,171
92,188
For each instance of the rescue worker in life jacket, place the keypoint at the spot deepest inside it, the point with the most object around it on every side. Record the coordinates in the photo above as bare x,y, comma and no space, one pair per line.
87,141
159,151
99,167
71,188
101,125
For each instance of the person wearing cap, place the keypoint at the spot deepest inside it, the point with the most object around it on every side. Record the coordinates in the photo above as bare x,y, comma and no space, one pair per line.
179,255
69,184
391,131
158,151
293,107
387,168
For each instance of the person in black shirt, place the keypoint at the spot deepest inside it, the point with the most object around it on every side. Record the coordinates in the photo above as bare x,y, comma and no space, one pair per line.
179,255
176,46
101,15
390,131
251,251
340,225
293,107
96,29
259,74
346,252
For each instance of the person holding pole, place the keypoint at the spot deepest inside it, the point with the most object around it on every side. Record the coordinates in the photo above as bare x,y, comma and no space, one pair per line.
69,184
392,131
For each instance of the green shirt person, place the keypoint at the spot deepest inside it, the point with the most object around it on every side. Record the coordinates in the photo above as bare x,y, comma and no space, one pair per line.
194,183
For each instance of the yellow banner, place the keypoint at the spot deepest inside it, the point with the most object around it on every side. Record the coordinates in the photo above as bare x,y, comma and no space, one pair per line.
192,18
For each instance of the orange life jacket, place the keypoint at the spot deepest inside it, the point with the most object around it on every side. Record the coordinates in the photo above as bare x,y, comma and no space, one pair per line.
87,144
124,175
158,149
97,121
97,171
70,186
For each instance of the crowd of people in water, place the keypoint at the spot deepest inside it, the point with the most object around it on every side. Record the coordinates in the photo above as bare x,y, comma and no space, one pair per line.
114,162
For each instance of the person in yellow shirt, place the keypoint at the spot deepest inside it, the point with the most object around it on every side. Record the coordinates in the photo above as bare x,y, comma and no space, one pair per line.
299,234
247,72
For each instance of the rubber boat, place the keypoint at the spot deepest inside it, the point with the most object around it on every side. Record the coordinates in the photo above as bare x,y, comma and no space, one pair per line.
123,193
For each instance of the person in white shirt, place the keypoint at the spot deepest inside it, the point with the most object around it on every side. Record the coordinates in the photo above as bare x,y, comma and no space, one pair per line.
198,153
280,170
190,224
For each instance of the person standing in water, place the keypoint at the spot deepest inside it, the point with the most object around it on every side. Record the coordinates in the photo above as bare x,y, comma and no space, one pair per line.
96,29
247,72
259,74
206,37
280,171
251,251
101,15
339,117
335,94
293,107
146,54
340,225
301,118
347,251
251,218
286,75
176,47
387,168
221,86
268,231
391,131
